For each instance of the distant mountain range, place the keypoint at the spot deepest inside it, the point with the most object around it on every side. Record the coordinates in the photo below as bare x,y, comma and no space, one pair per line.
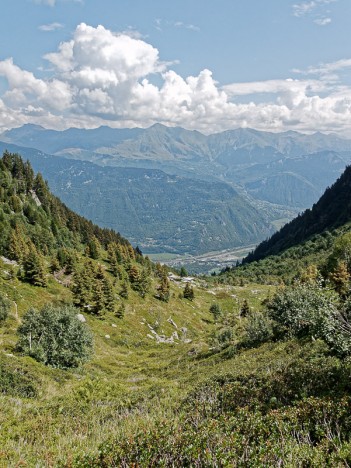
181,191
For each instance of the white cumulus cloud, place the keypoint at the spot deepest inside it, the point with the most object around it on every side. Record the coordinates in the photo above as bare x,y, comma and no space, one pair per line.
104,78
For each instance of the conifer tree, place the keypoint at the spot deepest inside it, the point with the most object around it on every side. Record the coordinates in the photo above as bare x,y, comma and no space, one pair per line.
134,275
18,247
340,278
82,289
109,299
163,289
143,285
215,311
188,292
121,311
124,290
183,273
33,267
93,248
245,309
98,299
54,265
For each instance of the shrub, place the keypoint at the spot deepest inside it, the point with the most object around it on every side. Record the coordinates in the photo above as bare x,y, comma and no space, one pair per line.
222,338
303,310
4,308
215,311
258,329
55,337
16,381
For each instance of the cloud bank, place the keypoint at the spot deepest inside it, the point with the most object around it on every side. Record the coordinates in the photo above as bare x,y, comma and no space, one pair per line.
104,78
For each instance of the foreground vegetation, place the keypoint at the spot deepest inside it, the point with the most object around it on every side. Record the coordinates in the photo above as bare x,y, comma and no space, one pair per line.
105,361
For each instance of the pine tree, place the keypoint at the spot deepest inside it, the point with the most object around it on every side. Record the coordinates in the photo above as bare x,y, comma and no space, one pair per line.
163,289
121,311
33,266
215,311
183,273
82,289
54,265
340,278
188,292
109,298
93,248
124,290
134,275
18,247
245,309
98,299
143,285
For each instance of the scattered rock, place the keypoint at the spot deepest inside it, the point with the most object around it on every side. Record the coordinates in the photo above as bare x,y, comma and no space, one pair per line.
150,336
7,261
35,197
113,325
171,321
81,318
107,337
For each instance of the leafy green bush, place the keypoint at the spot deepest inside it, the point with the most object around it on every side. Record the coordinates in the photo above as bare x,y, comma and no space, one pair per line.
55,337
222,338
303,310
258,329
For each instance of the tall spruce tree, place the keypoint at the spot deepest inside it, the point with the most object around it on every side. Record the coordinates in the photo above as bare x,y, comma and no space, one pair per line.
33,266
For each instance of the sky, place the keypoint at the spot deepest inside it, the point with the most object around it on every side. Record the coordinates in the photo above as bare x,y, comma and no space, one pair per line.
272,65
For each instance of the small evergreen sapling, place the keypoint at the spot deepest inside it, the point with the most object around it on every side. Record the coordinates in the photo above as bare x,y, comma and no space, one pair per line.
215,311
4,308
188,292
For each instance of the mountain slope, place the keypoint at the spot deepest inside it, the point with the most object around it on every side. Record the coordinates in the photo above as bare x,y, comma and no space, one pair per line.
243,157
157,211
331,211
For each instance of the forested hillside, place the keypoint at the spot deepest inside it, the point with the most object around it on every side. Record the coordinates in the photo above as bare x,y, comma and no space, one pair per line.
157,211
332,210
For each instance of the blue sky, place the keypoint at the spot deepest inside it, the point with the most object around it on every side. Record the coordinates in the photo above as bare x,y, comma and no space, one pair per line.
272,65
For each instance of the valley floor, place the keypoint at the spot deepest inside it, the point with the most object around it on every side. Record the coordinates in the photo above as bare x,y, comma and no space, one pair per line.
206,263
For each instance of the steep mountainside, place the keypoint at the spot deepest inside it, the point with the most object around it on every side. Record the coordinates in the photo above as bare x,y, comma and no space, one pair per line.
331,211
157,211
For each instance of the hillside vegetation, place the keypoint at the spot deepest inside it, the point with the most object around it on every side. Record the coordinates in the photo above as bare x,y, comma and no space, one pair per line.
170,370
331,211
